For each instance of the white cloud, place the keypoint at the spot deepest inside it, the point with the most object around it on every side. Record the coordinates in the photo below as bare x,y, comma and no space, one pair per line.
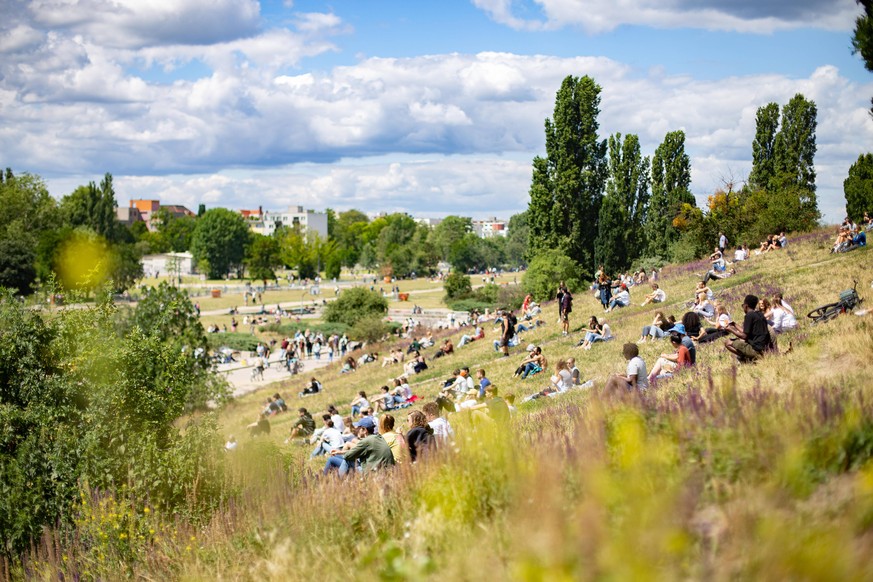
598,16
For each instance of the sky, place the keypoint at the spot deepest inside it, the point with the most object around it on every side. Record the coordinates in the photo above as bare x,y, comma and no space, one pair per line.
426,107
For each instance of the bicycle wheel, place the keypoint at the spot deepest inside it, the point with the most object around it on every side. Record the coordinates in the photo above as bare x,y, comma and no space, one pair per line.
825,312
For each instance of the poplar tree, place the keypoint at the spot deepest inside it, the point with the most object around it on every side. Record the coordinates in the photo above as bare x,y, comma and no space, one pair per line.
567,185
623,211
671,180
763,148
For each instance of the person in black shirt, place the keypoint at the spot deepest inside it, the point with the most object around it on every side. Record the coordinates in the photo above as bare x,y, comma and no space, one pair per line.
420,435
754,338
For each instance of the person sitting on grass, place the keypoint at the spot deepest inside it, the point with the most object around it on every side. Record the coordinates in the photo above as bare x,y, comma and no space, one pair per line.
330,439
259,427
367,419
447,349
483,382
692,326
359,403
722,320
703,288
303,426
658,327
349,365
595,332
497,408
395,357
416,365
478,333
782,315
369,453
753,339
533,363
402,389
393,439
420,435
313,388
386,400
704,306
634,378
560,382
668,364
621,299
656,296
575,373
442,430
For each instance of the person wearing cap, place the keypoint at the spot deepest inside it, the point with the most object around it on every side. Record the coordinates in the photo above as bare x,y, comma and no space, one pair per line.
686,341
667,364
753,339
366,421
621,299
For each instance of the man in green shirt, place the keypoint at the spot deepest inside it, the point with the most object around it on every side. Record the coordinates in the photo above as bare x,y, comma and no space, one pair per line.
371,450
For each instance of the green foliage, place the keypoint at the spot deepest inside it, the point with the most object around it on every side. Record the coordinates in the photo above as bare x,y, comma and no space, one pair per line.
93,207
233,340
447,233
173,232
547,270
355,304
862,37
17,264
671,180
469,303
370,329
167,312
567,185
858,187
517,240
763,147
348,232
795,147
401,247
263,257
219,241
457,285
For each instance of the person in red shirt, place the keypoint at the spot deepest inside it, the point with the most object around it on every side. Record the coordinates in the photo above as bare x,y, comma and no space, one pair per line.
668,364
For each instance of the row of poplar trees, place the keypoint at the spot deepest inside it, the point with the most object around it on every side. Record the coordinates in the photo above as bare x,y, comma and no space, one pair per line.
601,202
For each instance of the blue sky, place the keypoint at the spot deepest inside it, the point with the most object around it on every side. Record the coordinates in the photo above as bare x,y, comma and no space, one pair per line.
432,108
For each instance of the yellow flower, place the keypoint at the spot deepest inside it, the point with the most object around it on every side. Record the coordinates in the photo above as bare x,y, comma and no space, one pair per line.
146,510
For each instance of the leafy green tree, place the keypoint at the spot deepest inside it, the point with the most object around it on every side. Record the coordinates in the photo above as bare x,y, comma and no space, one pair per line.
763,148
457,285
567,185
355,304
858,187
862,38
175,230
624,207
349,235
201,210
445,234
671,180
263,256
126,267
17,264
167,312
794,147
517,239
547,270
219,241
93,207
370,329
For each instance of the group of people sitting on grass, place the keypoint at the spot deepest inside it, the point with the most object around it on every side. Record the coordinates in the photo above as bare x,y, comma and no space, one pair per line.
852,236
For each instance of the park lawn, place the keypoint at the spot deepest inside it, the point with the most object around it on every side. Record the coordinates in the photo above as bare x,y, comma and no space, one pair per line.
724,472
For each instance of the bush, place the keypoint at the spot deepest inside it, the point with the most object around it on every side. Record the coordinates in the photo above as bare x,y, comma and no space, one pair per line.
469,303
370,329
355,304
546,270
457,285
245,342
511,296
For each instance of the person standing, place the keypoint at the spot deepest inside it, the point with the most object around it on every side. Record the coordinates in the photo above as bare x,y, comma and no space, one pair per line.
722,242
566,306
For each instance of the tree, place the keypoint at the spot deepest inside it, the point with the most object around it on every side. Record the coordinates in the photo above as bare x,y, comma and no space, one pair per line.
457,285
671,180
17,264
355,304
858,187
201,210
445,234
263,255
219,241
349,234
547,270
567,185
175,230
794,147
517,239
166,311
93,207
623,211
862,38
763,148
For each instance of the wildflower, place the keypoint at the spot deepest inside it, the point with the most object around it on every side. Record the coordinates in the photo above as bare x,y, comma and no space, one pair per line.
146,510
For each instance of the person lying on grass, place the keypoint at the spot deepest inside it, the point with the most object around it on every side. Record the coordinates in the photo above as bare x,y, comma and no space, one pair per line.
753,338
668,364
718,275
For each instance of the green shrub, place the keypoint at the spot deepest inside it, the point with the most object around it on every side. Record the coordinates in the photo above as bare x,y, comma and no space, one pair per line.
469,304
370,329
457,285
355,304
546,270
511,296
236,341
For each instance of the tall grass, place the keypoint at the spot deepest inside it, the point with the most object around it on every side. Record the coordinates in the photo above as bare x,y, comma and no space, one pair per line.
724,472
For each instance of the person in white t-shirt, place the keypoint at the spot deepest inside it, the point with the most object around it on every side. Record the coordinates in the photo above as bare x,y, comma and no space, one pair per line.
656,296
442,430
782,315
635,377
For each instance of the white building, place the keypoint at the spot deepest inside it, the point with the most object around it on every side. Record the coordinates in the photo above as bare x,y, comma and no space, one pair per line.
490,227
177,264
265,222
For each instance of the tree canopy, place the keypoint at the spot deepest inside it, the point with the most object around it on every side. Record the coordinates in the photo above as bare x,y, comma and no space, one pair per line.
858,187
219,241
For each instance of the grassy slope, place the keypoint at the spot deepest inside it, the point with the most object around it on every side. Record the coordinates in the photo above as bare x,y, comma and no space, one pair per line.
724,472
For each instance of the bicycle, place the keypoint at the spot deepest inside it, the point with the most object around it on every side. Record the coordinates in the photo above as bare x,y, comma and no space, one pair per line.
849,300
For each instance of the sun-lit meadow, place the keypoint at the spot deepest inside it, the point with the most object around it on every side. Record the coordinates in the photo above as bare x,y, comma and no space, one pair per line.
724,472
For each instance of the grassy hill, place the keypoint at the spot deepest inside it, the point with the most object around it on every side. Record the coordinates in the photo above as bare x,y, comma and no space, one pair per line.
723,472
